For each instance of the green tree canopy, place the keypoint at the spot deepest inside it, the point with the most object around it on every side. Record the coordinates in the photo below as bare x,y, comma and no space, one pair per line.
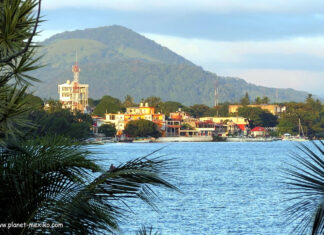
142,128
108,104
61,122
265,100
129,102
93,103
258,100
310,113
108,129
170,106
258,117
155,102
34,101
199,110
245,100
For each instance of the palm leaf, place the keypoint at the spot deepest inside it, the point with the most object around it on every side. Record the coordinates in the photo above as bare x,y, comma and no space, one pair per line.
52,180
305,181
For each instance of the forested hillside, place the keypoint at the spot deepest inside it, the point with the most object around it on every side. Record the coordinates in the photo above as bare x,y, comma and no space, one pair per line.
117,61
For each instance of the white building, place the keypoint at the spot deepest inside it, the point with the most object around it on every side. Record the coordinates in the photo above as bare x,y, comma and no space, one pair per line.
73,95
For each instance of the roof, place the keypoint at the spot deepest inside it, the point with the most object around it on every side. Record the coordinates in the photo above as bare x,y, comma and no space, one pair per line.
241,126
258,128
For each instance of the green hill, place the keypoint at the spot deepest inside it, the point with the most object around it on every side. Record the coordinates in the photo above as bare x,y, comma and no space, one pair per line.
117,61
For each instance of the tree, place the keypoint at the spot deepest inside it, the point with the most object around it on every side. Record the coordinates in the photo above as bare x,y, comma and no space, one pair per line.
199,110
55,187
108,129
268,119
288,124
154,101
258,100
309,113
17,57
129,101
34,101
170,106
305,181
142,128
258,117
108,104
49,179
54,106
245,100
265,100
62,122
93,103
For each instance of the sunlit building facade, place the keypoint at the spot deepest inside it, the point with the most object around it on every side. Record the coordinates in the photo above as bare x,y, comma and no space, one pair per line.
73,95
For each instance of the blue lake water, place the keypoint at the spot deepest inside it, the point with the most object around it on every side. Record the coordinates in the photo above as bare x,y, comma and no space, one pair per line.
228,188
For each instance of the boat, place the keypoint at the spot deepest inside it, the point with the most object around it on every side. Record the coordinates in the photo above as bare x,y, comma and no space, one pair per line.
289,137
144,140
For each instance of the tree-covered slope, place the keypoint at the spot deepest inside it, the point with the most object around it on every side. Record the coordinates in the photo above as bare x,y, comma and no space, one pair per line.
117,61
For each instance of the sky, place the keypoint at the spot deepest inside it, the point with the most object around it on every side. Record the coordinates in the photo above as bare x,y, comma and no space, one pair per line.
277,43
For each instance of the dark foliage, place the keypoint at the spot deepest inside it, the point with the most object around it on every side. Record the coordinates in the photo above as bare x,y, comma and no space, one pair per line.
108,129
142,128
305,180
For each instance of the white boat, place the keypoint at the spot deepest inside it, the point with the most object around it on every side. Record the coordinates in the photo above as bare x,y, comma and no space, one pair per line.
145,140
289,137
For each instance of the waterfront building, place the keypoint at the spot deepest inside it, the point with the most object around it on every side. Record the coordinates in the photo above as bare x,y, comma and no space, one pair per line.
258,132
118,119
205,128
272,108
144,112
179,115
232,125
97,122
172,128
73,95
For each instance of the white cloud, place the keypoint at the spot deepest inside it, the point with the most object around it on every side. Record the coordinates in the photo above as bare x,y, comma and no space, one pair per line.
203,50
298,79
212,55
222,6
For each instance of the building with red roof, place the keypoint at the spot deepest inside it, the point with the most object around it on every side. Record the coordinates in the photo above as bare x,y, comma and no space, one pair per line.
258,131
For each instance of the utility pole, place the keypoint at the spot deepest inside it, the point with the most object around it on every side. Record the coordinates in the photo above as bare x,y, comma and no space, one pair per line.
216,92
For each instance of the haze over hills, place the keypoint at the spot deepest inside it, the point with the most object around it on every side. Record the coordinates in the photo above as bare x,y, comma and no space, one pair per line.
117,61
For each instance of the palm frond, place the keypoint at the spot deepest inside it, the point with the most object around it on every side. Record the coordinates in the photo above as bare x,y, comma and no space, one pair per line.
37,173
144,230
305,180
51,180
12,107
102,204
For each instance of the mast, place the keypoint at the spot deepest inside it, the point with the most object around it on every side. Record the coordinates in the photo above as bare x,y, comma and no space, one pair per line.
216,97
300,128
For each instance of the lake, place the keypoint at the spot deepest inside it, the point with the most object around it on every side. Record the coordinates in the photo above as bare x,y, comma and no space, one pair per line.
228,188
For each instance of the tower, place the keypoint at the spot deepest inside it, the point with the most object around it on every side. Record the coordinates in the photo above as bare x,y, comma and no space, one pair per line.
216,97
73,95
76,70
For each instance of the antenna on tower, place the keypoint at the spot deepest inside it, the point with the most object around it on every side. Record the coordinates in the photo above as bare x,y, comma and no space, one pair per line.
76,56
216,97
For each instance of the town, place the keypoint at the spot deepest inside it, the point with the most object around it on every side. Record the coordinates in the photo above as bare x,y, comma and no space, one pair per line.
178,125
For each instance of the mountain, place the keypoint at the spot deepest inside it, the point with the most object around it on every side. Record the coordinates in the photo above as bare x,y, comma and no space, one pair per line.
117,61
